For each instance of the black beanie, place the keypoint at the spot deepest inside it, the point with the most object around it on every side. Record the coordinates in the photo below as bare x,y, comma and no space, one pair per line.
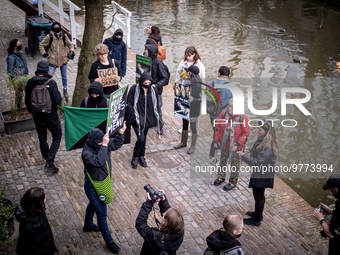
42,67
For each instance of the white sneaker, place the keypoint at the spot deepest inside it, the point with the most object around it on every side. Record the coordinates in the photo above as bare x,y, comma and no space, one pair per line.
218,153
213,161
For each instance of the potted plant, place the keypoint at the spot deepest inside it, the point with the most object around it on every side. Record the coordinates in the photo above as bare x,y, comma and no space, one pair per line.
18,119
7,208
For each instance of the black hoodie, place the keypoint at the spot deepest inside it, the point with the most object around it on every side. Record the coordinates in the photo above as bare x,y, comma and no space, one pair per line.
147,118
54,93
95,156
221,240
159,71
35,237
101,102
152,237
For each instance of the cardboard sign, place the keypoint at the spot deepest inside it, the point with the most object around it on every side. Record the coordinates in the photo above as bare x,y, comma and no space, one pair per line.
108,76
182,102
143,64
115,116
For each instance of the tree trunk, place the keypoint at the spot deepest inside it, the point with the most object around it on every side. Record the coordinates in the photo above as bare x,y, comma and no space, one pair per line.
93,35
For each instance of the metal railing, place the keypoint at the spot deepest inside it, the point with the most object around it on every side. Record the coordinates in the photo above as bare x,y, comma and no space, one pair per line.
63,15
117,21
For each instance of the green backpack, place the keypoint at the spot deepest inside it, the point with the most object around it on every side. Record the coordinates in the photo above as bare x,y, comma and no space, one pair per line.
103,188
210,251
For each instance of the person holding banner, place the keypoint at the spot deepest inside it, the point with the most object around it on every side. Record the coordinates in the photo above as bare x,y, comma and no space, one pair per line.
105,70
96,157
143,107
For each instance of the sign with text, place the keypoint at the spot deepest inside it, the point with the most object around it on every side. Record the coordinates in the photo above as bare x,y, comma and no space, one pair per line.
182,103
108,76
143,64
115,116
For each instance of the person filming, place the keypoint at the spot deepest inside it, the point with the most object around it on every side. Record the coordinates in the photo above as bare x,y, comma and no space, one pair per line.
169,236
331,230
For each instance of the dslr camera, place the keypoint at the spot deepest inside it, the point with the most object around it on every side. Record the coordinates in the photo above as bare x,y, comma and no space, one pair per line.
155,196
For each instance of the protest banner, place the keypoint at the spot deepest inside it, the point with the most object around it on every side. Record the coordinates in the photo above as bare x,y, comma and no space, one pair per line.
108,76
143,64
182,102
115,116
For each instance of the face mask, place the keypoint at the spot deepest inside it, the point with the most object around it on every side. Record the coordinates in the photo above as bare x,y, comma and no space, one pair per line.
117,39
57,29
95,100
146,86
19,47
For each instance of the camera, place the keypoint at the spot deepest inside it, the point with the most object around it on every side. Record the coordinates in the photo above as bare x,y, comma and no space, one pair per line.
155,196
320,208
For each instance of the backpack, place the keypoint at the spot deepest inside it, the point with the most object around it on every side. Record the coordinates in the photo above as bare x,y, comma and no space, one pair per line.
51,40
41,99
210,251
167,69
212,109
161,50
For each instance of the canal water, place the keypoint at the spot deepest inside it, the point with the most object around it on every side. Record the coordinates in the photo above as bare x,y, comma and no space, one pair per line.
246,37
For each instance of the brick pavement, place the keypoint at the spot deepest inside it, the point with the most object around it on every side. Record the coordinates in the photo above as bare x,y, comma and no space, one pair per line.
287,227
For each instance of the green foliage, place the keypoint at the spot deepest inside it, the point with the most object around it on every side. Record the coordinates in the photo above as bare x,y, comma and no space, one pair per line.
6,209
64,101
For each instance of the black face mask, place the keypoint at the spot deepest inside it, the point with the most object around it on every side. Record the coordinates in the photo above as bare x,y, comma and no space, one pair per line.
57,29
95,100
117,39
19,48
146,86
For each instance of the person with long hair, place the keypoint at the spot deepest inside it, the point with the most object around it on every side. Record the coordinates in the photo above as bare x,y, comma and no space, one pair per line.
261,155
225,239
154,35
16,62
168,236
35,234
194,81
104,62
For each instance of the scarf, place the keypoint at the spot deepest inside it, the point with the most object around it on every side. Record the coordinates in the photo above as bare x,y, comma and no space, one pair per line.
154,103
229,134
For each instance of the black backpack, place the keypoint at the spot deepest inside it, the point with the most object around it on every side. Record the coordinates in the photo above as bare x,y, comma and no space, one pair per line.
212,109
41,99
167,69
210,251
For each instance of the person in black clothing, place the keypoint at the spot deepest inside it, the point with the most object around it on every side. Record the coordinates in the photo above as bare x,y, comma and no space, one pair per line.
96,97
332,231
168,236
225,239
261,155
143,109
154,35
44,122
96,157
35,234
159,74
117,49
104,62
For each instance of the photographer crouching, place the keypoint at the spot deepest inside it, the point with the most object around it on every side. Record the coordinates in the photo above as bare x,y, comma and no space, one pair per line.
168,237
332,231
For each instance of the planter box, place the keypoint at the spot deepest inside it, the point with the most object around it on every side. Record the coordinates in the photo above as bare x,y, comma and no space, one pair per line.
17,126
10,220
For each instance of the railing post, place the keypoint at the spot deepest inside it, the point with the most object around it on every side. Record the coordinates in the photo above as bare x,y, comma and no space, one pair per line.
40,8
128,30
61,17
73,26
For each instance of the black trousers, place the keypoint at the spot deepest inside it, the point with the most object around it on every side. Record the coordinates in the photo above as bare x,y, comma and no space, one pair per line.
259,202
192,126
48,153
139,149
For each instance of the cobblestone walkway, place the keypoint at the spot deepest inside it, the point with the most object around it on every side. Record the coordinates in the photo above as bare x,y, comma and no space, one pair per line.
287,228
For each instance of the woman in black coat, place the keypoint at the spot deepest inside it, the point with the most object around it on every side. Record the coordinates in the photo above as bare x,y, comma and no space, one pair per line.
168,236
35,234
261,157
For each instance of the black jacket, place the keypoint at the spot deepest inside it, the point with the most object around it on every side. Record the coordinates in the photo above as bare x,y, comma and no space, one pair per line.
95,156
221,240
35,238
147,118
152,237
334,243
159,72
55,97
267,158
149,40
97,65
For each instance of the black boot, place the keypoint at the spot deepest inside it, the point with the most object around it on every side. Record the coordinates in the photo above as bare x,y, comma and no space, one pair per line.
142,162
252,214
218,182
114,248
134,162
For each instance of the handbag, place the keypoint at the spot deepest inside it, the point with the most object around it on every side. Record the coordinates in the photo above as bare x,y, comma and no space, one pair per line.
103,188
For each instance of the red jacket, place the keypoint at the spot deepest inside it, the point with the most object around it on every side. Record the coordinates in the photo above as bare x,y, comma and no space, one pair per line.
241,131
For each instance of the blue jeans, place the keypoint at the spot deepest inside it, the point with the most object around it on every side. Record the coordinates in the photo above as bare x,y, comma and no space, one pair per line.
98,207
63,71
